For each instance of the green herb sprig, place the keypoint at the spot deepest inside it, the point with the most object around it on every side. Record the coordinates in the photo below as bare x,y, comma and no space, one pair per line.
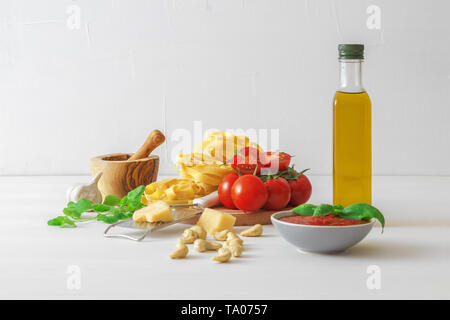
110,211
360,211
288,174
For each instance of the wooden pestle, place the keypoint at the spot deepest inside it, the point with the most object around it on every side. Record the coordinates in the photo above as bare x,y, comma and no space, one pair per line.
155,139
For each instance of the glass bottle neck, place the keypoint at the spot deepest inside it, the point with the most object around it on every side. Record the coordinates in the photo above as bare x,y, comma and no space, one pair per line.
351,80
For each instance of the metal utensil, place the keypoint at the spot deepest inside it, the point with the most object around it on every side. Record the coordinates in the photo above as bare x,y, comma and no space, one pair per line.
180,213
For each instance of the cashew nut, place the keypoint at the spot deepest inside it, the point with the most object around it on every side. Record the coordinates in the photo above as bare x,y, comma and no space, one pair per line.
200,231
234,242
235,248
189,236
221,235
254,231
233,236
224,254
181,251
201,245
192,234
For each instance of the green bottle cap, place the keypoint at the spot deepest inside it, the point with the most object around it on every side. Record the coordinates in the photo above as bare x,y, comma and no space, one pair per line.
351,51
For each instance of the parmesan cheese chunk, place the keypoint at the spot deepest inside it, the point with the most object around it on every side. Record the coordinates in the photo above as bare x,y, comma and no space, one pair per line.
214,221
156,211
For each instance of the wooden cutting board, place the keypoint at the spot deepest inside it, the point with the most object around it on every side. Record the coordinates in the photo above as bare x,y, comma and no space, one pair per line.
244,219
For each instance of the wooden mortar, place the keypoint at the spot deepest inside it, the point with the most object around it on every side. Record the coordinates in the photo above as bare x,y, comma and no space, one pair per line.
123,172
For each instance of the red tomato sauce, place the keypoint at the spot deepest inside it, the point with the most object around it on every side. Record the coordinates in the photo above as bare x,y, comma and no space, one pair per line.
328,220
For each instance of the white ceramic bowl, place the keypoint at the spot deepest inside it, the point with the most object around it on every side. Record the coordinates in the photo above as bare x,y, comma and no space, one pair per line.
320,239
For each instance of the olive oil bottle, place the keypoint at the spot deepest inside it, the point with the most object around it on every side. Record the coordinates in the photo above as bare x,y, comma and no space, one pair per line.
352,131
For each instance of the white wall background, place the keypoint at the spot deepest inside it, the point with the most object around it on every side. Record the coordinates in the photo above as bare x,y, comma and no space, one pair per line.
68,94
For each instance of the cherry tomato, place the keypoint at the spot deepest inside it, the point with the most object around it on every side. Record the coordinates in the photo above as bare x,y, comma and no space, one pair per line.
249,193
279,193
300,190
248,161
239,165
279,161
225,190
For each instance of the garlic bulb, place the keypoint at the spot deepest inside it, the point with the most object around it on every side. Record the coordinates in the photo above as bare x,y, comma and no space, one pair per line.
88,191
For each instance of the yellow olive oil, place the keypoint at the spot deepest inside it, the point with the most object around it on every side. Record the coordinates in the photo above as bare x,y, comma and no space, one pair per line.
352,148
352,132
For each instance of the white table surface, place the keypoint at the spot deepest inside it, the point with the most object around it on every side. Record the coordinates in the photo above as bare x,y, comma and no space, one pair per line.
413,254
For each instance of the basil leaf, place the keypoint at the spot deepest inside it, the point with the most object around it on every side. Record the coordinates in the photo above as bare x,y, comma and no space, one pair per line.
62,222
134,198
112,200
305,209
123,201
83,205
323,210
72,212
123,215
101,208
119,213
109,219
71,204
362,211
114,215
337,208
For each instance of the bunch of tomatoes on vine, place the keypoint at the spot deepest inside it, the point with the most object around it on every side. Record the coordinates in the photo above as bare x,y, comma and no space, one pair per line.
263,180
